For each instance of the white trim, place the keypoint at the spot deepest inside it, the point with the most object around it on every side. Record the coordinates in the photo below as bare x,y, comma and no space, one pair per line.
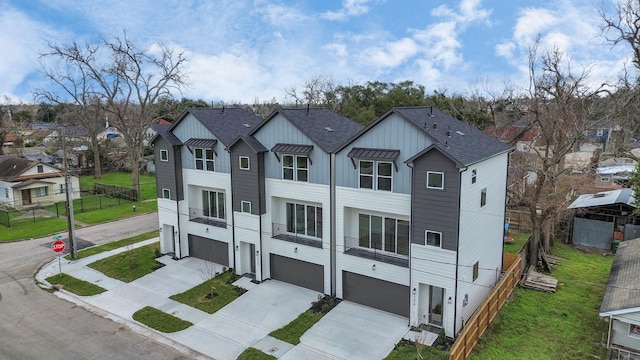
248,167
164,158
163,193
435,187
242,204
435,232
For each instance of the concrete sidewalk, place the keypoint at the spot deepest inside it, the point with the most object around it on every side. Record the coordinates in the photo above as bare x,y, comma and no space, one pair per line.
246,322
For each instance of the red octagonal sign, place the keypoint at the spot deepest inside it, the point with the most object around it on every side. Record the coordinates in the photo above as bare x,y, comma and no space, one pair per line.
58,246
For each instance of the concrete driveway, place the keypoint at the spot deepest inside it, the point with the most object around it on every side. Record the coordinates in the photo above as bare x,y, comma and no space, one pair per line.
351,331
247,321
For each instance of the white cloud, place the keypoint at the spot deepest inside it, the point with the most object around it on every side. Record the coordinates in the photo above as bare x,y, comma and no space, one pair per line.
392,54
349,8
531,22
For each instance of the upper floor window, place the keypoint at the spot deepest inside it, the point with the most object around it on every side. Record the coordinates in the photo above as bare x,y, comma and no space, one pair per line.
375,175
435,180
245,206
164,155
304,219
483,197
474,174
244,163
634,330
432,238
213,204
204,159
166,194
40,169
295,167
383,233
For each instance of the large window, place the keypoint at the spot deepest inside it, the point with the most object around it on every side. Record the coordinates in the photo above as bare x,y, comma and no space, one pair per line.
41,191
204,159
164,155
432,238
295,167
213,204
634,330
435,180
304,220
383,233
376,175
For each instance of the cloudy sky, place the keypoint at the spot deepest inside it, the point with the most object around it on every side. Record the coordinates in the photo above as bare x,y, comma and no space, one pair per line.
243,50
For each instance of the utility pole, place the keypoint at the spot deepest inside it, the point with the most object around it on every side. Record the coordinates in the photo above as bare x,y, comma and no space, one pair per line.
68,190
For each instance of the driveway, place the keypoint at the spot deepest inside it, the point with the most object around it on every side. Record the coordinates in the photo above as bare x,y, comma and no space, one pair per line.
248,320
351,331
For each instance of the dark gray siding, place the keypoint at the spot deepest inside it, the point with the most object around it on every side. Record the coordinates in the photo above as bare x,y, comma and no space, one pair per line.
209,249
168,173
592,233
379,294
246,184
297,272
435,209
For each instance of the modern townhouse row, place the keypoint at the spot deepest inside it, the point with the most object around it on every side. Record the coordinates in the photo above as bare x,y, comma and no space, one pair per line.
405,215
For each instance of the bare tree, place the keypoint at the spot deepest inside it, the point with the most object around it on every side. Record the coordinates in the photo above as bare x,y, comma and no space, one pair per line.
123,81
5,122
561,108
318,91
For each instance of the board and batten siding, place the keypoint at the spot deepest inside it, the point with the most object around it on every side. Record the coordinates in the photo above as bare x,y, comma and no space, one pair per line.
394,132
168,173
280,130
246,185
621,336
435,209
190,128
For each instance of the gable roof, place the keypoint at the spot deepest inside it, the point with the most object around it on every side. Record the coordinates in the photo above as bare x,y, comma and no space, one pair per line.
324,127
252,142
11,168
619,196
162,130
462,143
226,123
623,287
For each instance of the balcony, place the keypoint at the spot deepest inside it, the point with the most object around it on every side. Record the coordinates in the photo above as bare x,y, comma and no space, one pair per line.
197,215
279,232
353,248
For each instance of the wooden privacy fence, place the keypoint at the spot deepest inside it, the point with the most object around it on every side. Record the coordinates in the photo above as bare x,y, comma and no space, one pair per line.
116,191
488,310
518,220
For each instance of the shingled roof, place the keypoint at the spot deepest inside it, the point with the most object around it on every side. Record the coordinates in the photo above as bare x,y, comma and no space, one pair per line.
162,130
623,287
11,168
458,140
324,127
226,123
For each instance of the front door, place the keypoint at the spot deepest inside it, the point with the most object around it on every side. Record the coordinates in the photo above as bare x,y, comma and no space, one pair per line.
26,197
436,305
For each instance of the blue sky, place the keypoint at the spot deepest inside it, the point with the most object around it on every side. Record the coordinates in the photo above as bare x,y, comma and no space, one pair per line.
256,49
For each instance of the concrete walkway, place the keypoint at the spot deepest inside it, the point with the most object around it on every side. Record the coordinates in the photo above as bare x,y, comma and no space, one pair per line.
349,331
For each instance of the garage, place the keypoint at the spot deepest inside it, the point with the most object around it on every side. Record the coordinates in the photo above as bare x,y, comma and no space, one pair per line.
209,249
379,294
297,272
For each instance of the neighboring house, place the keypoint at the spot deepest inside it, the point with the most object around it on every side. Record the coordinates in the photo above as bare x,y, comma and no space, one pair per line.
525,138
109,132
597,136
603,217
150,133
26,184
614,172
40,156
406,215
40,136
621,302
12,140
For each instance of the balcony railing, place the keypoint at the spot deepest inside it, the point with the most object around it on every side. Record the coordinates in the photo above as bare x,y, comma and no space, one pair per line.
198,215
279,232
352,247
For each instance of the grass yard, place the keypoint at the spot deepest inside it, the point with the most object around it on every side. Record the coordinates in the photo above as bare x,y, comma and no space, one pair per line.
159,320
560,325
116,212
292,332
225,293
406,350
74,285
114,245
131,264
254,354
519,239
27,229
147,183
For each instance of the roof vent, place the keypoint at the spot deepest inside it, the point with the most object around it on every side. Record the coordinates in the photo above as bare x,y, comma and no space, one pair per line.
308,109
222,109
328,129
430,110
448,133
435,126
599,195
460,133
246,125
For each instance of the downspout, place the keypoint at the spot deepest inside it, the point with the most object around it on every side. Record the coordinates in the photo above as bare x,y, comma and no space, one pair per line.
260,205
455,291
332,221
233,216
411,225
179,252
609,337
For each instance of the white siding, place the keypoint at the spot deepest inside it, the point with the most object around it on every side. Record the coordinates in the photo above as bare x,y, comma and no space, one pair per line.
481,232
167,215
620,335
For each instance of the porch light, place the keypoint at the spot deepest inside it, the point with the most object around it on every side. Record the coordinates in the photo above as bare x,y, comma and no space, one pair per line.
237,247
257,252
295,250
449,300
373,267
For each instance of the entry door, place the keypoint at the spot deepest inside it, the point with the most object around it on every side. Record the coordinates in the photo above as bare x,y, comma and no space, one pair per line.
26,197
168,238
252,256
436,305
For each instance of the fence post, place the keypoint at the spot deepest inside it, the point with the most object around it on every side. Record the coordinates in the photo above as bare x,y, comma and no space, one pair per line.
100,202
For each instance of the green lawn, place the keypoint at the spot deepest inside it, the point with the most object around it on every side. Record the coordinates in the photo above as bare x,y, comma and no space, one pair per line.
519,239
147,183
560,325
292,332
74,285
224,291
159,320
116,212
254,354
114,245
131,264
27,229
406,350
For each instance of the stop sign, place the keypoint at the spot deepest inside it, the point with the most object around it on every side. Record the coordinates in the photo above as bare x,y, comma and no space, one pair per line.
58,246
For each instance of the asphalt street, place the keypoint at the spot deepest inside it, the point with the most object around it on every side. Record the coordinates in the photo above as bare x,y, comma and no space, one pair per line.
37,325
